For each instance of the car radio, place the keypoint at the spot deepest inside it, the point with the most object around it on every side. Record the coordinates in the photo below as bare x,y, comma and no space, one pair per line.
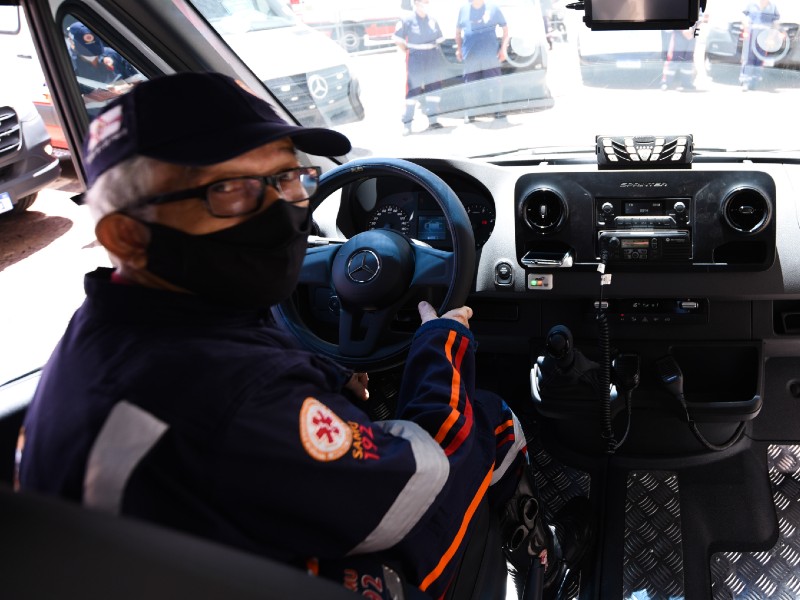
644,230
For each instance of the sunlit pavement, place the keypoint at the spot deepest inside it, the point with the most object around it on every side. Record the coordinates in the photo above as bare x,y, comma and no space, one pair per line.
44,253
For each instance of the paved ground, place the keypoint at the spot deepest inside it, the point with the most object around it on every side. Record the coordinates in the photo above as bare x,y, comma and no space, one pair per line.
44,253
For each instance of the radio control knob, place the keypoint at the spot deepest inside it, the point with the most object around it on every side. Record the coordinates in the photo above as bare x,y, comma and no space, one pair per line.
680,208
614,243
607,208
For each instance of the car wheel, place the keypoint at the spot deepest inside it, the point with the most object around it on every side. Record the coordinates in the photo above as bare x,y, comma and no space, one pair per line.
372,280
24,203
352,39
521,52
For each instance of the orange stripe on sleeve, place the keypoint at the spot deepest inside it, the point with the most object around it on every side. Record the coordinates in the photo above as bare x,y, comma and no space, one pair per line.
503,426
448,555
465,430
455,386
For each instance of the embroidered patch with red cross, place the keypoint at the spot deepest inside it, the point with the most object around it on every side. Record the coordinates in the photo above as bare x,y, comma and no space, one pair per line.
324,435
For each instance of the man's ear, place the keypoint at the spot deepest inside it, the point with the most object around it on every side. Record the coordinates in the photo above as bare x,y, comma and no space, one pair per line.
124,237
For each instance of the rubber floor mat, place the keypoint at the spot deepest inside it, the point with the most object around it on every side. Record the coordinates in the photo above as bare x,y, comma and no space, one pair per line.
773,574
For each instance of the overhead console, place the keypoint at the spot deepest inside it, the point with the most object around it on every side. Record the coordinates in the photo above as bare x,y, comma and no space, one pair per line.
675,220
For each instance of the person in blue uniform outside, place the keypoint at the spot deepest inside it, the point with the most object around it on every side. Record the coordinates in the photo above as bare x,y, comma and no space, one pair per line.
418,35
477,47
679,71
759,16
94,60
174,397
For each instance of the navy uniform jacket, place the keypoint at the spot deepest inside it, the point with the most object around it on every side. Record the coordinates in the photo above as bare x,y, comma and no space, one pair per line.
422,37
209,419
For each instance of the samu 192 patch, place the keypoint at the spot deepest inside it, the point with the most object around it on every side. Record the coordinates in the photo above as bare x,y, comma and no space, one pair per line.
324,435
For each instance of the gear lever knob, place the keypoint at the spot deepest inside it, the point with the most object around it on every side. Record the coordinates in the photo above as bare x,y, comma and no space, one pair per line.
559,346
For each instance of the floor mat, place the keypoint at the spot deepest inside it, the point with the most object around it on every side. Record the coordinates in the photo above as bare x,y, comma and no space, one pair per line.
776,572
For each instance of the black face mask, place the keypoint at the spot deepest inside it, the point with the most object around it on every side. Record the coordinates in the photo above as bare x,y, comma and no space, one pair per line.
254,264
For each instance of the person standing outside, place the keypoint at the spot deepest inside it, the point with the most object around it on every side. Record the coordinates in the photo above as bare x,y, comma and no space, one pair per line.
477,46
94,60
759,16
418,35
679,68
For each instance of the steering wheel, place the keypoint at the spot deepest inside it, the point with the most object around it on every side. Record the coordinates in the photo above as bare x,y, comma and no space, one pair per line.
376,272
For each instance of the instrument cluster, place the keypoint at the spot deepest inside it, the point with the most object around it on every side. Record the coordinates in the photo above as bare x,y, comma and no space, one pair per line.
401,205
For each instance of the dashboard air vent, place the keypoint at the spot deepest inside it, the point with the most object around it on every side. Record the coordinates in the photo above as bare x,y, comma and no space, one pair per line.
746,210
545,211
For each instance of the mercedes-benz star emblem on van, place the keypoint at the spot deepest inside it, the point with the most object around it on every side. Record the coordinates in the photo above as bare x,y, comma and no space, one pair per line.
317,86
363,266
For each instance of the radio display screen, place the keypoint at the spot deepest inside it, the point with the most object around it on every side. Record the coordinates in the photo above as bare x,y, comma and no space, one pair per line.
643,208
635,243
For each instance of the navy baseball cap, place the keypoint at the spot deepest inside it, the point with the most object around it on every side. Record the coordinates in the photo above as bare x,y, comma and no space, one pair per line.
86,43
194,119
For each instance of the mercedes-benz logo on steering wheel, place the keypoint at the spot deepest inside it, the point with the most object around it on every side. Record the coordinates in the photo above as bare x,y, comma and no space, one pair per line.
363,266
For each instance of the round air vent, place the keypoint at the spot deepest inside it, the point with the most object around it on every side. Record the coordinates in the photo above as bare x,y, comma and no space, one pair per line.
545,211
746,210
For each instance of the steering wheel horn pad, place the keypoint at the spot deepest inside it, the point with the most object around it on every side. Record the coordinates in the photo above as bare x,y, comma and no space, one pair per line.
373,269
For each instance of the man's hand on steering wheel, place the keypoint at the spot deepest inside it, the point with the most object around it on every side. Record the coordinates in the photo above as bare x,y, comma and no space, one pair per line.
462,314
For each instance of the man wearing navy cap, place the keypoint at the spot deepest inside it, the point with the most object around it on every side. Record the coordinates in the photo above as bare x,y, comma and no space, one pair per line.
94,60
174,398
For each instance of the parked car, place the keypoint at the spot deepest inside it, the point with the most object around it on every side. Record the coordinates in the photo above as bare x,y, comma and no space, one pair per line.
27,161
602,53
635,281
355,24
317,86
777,47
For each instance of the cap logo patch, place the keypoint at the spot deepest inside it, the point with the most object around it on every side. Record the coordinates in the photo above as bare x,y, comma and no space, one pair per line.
324,435
88,38
103,128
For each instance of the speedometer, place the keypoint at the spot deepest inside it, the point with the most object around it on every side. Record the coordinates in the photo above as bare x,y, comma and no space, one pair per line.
392,217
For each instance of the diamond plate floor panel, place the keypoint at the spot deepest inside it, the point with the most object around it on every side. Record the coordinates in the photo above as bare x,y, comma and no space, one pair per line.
774,574
653,556
557,483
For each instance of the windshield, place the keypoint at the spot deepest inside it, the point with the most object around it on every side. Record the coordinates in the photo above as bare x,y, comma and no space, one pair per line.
452,78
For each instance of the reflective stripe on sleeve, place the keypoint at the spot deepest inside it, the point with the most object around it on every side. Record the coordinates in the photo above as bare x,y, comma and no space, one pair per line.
420,491
513,452
127,435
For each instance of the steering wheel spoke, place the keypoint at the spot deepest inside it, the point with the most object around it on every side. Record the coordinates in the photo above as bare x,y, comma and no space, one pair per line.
360,330
432,267
316,269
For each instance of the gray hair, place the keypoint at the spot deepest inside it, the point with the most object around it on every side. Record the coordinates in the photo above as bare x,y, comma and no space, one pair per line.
123,186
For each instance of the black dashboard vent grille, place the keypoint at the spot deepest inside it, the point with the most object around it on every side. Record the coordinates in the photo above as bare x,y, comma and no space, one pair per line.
746,210
544,210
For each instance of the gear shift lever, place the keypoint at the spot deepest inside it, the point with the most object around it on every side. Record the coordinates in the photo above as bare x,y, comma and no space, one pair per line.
559,346
564,372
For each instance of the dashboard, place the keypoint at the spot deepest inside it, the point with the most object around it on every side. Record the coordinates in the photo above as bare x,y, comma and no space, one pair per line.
700,263
679,232
701,253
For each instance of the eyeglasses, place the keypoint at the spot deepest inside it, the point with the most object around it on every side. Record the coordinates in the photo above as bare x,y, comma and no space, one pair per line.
241,196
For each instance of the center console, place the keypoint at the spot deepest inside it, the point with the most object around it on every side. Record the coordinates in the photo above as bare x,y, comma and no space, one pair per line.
694,221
